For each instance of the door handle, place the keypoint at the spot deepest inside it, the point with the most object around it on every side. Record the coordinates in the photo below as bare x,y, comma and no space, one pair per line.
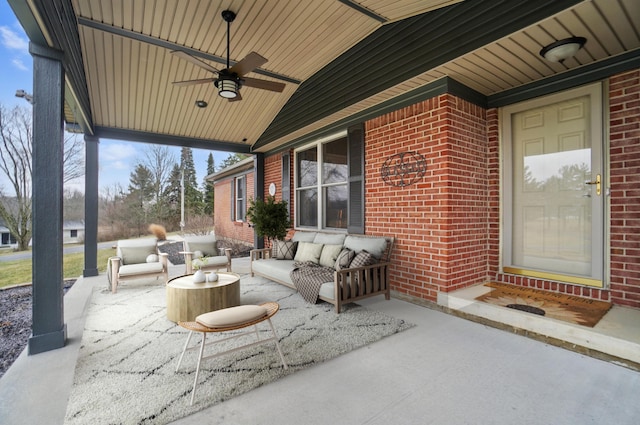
598,183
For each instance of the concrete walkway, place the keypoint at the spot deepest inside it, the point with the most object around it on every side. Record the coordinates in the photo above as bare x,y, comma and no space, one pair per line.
445,370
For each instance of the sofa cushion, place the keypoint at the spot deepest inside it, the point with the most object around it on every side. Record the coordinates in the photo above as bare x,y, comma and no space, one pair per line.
308,251
363,258
327,291
207,244
329,238
141,268
232,316
374,245
218,260
303,236
285,250
343,261
276,269
136,251
329,255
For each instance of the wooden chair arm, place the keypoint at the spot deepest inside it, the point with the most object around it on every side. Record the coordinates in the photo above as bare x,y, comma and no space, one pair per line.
259,254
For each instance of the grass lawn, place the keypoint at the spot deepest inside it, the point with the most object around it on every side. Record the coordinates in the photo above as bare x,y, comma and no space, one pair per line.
16,272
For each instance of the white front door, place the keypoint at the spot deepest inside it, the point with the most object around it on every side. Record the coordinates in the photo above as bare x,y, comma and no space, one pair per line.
554,192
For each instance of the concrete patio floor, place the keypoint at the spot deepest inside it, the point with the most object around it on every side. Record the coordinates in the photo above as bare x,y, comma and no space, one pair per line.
445,370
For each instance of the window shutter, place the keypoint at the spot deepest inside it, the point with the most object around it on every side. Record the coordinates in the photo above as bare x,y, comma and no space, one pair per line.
286,181
355,139
232,203
243,213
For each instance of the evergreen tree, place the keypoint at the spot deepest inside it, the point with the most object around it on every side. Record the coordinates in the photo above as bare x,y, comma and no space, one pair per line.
232,159
171,196
208,187
140,197
193,203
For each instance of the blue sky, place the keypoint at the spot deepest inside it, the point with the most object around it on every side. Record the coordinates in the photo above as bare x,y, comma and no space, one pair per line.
117,158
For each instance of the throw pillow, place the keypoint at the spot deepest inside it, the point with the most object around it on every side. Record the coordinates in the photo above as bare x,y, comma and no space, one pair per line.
344,259
362,259
197,254
152,258
308,251
329,255
285,250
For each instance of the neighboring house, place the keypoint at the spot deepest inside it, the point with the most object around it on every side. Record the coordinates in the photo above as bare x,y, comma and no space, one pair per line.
73,231
6,238
233,187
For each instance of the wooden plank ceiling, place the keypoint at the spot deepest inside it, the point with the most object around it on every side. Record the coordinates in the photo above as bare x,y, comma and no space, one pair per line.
129,70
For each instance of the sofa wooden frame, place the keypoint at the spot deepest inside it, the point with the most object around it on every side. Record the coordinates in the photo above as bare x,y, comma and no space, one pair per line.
350,285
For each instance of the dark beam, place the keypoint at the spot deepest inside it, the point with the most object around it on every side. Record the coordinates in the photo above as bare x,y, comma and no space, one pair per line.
169,140
367,12
172,46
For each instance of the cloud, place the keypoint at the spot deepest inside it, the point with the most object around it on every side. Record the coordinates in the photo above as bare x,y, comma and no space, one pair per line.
12,40
117,154
19,64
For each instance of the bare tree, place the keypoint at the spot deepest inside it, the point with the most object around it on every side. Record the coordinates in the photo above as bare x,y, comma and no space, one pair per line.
73,157
159,161
16,165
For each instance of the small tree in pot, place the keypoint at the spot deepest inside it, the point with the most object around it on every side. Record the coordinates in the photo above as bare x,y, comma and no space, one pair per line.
270,218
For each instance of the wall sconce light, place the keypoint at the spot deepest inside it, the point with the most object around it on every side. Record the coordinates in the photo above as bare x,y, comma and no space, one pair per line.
562,49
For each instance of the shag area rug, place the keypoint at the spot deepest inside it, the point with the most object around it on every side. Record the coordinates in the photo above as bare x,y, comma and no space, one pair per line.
569,308
126,367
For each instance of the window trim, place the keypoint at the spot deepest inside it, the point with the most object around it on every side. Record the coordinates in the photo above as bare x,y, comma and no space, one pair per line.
318,143
240,180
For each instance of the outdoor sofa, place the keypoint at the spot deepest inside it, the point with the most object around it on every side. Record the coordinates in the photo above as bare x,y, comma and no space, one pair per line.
350,281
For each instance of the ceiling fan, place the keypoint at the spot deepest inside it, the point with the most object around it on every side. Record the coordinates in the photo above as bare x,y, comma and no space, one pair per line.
231,79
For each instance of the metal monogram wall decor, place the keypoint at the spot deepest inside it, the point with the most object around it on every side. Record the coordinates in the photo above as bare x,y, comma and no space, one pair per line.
403,169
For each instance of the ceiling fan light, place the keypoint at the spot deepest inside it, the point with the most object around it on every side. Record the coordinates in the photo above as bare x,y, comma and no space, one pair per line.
227,88
562,49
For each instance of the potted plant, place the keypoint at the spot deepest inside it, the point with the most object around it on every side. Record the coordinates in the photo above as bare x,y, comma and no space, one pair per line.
269,217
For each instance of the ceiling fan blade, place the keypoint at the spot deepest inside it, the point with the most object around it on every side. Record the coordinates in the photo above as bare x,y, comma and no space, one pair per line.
191,82
263,84
248,64
186,56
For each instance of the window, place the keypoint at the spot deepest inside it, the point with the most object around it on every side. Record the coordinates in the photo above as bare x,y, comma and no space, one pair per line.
240,199
74,233
322,194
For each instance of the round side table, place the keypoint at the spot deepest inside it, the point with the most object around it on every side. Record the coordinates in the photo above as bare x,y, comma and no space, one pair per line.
186,300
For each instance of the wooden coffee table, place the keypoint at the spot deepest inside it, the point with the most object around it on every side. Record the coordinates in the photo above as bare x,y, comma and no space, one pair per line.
186,300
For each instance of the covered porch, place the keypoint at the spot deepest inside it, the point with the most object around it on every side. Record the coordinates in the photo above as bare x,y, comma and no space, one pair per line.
365,66
444,370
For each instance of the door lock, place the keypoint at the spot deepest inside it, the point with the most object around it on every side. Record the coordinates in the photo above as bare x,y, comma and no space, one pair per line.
598,183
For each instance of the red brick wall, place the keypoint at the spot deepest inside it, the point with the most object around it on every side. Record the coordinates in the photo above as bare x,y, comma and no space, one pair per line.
447,225
224,226
273,174
624,109
440,222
